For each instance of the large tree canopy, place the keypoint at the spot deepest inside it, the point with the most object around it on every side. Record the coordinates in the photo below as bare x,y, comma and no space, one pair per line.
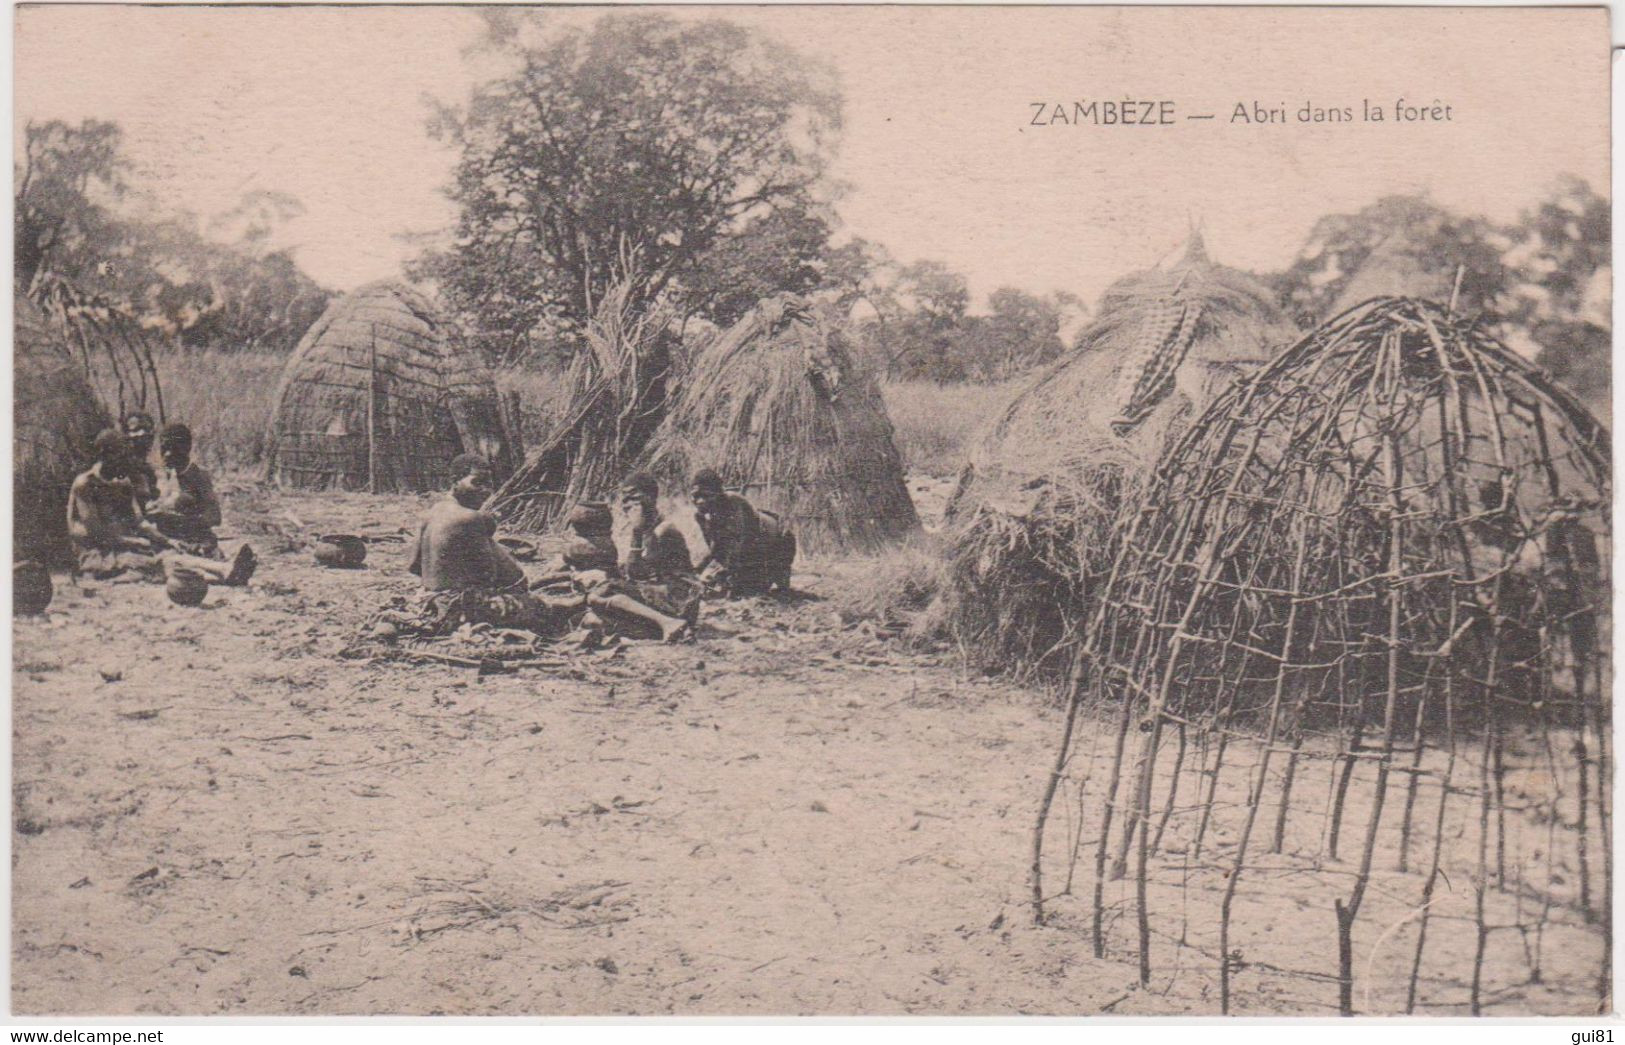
645,143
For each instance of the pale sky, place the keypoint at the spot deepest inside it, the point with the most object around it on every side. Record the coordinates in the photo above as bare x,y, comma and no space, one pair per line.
328,105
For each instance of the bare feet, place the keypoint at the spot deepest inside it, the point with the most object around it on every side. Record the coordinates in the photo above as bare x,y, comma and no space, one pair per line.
242,567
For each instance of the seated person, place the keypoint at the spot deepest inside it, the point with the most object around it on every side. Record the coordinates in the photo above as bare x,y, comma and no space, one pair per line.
111,538
588,557
138,431
468,578
591,547
456,547
751,551
186,509
656,592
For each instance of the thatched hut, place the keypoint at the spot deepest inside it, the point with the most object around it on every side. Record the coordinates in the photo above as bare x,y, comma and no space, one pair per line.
618,398
779,407
1031,522
381,393
56,417
1385,553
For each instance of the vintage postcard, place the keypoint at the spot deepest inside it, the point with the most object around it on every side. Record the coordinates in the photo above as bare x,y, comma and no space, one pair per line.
794,510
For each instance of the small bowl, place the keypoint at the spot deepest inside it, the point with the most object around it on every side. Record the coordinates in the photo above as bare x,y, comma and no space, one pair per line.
186,587
344,551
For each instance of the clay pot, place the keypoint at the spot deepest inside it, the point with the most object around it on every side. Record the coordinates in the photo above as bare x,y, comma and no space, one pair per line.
343,551
186,588
31,588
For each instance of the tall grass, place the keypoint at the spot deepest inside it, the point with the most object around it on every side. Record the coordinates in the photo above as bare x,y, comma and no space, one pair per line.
227,398
936,423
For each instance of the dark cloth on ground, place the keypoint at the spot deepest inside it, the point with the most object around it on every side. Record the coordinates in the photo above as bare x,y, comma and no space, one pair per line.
428,614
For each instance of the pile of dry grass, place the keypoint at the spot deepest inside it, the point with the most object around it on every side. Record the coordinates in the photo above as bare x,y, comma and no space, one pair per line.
1032,525
617,399
381,393
56,416
780,408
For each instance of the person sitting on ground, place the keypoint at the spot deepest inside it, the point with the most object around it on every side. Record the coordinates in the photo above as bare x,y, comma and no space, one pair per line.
186,510
656,592
468,578
587,558
110,537
139,430
456,546
751,550
592,546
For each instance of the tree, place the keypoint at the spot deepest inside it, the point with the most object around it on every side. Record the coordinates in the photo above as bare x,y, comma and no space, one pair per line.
933,300
66,184
1560,262
781,251
1022,331
1407,232
642,137
79,218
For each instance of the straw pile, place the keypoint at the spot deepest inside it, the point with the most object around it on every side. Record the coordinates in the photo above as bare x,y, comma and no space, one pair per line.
618,384
1033,521
381,394
779,407
1387,550
56,417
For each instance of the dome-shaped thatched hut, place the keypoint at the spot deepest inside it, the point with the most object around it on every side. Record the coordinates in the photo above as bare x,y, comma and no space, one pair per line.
779,407
1385,553
1032,518
56,417
381,394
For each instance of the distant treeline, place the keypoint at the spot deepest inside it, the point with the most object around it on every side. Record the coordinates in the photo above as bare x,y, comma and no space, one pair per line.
691,159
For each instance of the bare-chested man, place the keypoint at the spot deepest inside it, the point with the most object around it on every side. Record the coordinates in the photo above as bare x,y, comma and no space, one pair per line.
457,548
112,539
186,510
751,551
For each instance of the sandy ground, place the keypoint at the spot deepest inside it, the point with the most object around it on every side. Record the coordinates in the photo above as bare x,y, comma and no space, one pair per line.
215,813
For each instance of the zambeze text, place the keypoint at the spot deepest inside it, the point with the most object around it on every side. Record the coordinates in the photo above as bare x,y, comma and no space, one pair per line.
1126,112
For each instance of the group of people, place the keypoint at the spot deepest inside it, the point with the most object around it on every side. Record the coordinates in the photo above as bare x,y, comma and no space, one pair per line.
625,569
130,520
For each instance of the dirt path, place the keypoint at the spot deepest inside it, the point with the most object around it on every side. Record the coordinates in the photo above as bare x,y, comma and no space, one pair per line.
213,813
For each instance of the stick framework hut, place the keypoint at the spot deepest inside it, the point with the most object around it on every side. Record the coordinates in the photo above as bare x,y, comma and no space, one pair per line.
618,398
1033,518
780,408
381,394
56,416
1357,625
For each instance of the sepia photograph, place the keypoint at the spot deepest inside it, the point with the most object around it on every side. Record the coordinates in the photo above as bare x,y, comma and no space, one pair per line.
811,511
